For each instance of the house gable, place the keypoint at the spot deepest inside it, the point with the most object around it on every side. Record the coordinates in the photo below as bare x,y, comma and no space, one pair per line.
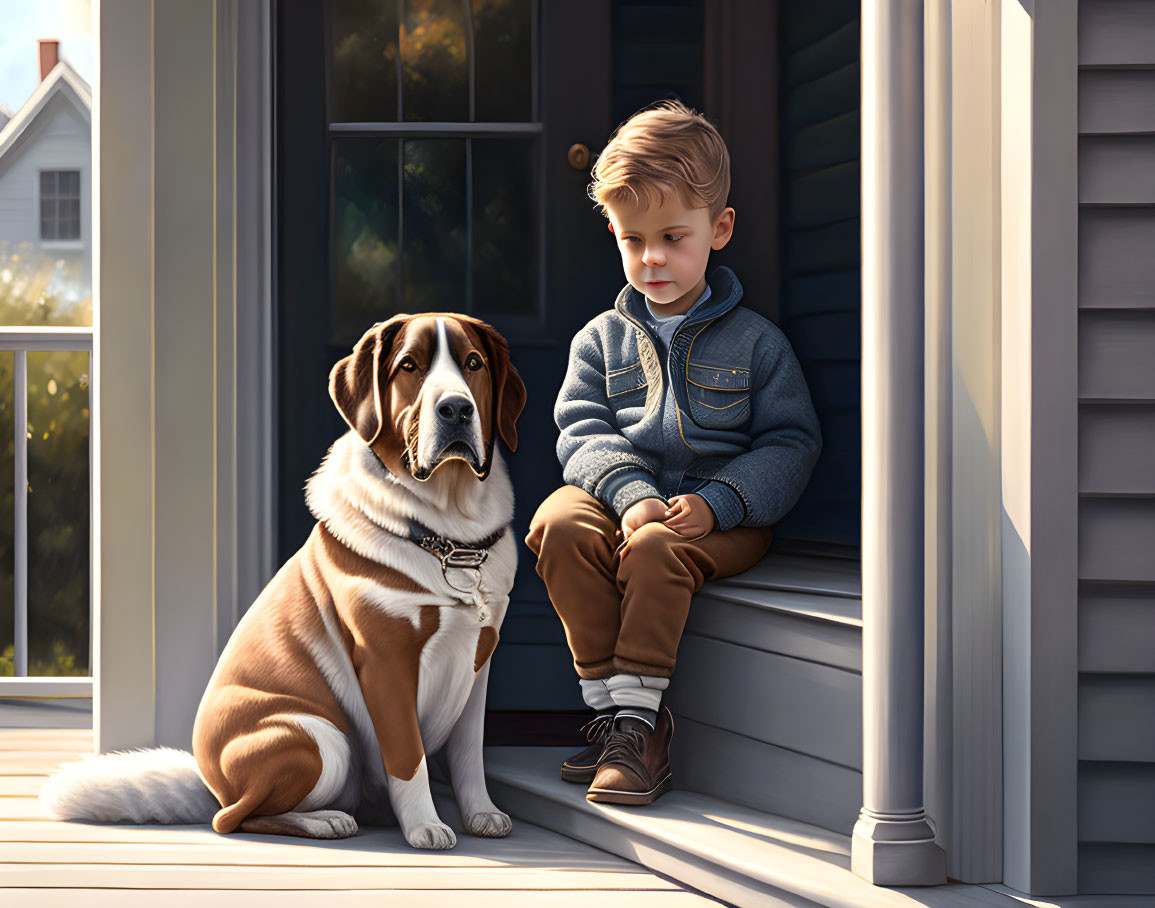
62,83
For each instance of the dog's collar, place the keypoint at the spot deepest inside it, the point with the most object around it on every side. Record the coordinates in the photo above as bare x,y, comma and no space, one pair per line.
452,552
461,555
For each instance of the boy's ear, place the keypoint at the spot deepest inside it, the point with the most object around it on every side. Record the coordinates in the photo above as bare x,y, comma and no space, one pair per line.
723,228
610,224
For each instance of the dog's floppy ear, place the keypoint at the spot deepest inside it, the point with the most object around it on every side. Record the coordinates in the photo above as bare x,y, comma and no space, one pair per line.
508,388
354,384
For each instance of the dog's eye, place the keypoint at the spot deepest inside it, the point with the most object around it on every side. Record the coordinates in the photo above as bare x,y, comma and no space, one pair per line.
408,364
473,363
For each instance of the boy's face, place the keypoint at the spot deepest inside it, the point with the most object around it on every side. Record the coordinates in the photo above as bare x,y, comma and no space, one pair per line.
665,249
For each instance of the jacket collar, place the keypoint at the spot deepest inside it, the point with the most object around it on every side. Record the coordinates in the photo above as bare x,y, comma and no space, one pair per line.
725,293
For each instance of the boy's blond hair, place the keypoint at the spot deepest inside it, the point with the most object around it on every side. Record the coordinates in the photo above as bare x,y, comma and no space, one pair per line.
665,148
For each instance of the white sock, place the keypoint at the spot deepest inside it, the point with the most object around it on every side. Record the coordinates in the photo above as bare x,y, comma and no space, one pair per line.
637,690
596,694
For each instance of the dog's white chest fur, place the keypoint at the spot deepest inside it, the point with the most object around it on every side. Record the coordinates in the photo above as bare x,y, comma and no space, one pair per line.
446,675
370,510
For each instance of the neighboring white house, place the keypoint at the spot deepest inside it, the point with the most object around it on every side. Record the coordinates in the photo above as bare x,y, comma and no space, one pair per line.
45,185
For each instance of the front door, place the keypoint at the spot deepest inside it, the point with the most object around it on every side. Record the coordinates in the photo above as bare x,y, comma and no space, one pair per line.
426,161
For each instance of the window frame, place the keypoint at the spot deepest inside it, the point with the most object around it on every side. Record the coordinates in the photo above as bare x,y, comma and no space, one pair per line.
532,130
76,242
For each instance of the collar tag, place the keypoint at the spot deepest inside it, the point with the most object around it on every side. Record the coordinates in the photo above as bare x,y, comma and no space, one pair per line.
455,555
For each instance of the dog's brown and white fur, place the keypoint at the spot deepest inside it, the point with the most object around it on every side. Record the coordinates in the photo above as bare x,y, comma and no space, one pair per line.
361,655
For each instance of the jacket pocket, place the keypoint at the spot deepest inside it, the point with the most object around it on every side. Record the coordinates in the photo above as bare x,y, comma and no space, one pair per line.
624,385
719,397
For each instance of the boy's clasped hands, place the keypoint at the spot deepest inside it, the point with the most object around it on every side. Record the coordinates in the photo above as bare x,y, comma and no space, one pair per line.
687,515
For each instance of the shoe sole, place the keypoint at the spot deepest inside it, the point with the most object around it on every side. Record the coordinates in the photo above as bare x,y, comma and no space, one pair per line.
577,774
607,796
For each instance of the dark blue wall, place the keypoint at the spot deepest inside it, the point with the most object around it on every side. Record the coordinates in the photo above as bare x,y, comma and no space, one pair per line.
820,307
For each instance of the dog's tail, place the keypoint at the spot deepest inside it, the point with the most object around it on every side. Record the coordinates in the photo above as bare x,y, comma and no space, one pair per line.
155,785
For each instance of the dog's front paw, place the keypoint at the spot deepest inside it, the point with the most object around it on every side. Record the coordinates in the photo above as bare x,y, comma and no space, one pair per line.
493,825
335,824
431,835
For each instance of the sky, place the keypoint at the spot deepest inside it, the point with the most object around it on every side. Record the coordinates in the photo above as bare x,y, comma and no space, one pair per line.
21,23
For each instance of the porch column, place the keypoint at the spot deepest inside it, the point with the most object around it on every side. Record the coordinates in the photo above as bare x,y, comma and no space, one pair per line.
893,843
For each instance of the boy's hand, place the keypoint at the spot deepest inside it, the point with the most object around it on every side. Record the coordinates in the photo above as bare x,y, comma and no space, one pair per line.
637,515
689,515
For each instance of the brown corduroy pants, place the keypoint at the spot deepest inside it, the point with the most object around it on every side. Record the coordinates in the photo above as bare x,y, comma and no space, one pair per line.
624,604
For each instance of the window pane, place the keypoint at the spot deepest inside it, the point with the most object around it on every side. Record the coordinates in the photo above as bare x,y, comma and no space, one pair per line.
47,219
7,517
58,588
364,61
433,230
48,184
434,63
505,231
70,184
366,279
69,229
70,208
503,74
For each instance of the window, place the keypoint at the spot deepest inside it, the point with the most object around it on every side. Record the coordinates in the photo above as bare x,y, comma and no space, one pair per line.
435,186
60,204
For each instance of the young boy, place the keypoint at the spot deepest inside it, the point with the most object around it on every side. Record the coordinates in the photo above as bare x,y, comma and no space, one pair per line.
686,430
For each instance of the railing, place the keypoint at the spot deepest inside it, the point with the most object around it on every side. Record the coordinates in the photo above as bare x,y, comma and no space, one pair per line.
22,341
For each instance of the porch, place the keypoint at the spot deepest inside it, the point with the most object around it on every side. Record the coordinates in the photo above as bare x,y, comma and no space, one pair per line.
130,865
741,855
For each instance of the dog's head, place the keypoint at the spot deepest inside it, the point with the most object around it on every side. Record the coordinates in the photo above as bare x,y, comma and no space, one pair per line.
422,390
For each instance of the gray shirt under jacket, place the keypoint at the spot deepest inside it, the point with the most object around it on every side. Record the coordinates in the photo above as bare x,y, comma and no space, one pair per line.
736,424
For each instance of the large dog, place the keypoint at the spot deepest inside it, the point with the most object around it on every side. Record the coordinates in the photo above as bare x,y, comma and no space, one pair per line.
370,647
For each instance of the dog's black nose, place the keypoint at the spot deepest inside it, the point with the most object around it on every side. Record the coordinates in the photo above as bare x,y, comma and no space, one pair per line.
454,410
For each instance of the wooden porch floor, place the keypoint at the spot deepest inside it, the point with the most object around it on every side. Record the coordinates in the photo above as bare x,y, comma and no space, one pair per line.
44,862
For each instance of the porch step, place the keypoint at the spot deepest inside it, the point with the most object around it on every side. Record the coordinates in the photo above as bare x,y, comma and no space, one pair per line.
767,694
743,856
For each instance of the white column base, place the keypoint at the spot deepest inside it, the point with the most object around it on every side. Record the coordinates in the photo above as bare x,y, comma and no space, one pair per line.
896,851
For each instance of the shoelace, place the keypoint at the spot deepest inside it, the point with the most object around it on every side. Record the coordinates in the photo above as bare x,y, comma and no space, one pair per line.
597,726
625,746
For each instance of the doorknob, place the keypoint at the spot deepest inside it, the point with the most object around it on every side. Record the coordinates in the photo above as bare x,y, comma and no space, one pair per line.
578,156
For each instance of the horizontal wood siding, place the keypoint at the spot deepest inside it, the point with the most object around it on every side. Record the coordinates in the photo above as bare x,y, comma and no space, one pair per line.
821,256
1116,34
1116,368
1115,802
1117,628
1115,717
1115,361
658,52
1116,267
1117,449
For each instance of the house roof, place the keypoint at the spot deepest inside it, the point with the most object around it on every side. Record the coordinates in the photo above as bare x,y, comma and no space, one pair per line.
63,80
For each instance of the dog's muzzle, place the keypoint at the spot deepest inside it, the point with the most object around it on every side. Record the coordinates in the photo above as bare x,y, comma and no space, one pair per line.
455,435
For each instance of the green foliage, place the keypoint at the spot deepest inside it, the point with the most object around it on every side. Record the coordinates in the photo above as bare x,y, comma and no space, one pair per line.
33,291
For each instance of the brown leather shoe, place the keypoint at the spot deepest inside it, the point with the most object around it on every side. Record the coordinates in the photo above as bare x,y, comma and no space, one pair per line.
635,766
582,766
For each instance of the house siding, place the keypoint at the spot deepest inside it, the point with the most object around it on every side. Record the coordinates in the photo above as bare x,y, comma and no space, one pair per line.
58,139
821,255
1116,779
